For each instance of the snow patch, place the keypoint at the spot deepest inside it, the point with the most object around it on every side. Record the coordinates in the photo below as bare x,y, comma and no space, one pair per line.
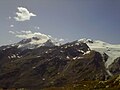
113,51
81,51
77,44
68,57
88,52
33,67
14,56
38,56
74,58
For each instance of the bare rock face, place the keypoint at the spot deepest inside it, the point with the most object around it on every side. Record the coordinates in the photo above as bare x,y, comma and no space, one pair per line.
51,66
115,66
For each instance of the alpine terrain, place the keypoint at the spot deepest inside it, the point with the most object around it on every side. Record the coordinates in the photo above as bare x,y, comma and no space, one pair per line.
44,64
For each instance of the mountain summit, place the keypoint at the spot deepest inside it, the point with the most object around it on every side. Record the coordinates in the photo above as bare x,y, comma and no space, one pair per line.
36,42
37,63
33,42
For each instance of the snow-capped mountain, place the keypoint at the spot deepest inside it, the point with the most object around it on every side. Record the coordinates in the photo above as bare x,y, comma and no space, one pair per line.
113,51
35,42
32,43
34,61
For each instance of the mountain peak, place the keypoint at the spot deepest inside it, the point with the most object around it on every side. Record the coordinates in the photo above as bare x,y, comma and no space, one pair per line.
85,40
35,42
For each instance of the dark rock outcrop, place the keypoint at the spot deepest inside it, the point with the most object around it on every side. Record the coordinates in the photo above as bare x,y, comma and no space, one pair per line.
115,66
50,66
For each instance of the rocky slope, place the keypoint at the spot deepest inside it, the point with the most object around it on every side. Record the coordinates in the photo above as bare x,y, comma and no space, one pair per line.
50,65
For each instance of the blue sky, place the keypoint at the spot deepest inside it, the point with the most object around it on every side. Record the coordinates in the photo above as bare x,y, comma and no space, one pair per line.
67,19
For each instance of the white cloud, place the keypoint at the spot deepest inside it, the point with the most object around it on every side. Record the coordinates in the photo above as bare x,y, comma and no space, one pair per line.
9,17
11,26
30,34
20,32
37,27
11,32
61,40
17,32
26,32
23,14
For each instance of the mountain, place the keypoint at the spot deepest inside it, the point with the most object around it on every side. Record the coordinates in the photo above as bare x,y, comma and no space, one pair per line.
36,42
50,65
32,43
112,52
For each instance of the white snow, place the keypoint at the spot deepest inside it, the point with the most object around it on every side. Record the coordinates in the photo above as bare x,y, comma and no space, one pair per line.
61,47
74,58
80,57
40,41
33,67
87,52
35,42
19,46
72,45
18,57
58,73
66,47
46,52
68,57
13,56
77,58
4,49
77,44
61,51
69,45
9,57
85,40
113,51
50,49
43,79
81,51
109,73
38,56
13,45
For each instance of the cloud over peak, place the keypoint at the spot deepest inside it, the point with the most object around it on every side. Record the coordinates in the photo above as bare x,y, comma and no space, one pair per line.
29,34
23,14
11,32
